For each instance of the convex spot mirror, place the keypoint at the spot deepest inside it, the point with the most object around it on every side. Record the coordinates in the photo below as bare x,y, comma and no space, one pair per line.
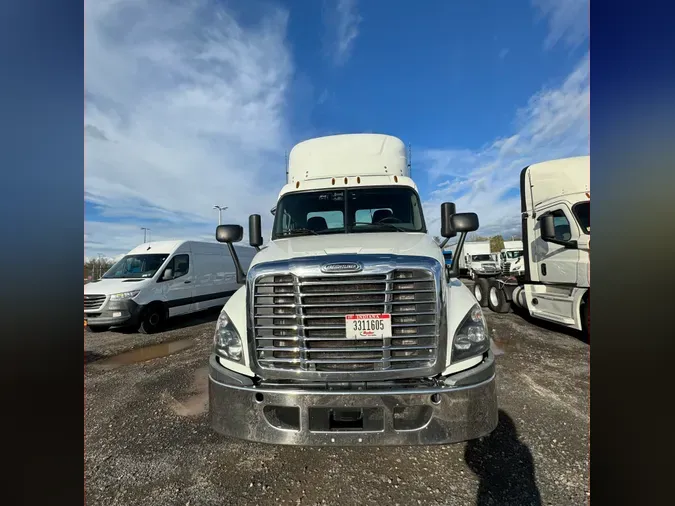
464,222
229,233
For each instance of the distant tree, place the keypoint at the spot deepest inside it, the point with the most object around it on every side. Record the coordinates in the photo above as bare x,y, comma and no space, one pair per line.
496,243
96,267
473,237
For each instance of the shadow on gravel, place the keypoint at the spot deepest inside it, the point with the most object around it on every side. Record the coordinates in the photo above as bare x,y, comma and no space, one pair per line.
180,322
504,466
546,325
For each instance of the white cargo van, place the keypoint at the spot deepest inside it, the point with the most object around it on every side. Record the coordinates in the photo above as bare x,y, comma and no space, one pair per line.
158,280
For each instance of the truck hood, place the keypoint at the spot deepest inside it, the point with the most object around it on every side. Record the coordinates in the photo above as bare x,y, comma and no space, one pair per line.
393,243
110,286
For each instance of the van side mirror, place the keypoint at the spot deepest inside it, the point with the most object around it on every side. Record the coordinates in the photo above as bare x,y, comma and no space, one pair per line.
464,222
168,274
447,211
254,231
229,233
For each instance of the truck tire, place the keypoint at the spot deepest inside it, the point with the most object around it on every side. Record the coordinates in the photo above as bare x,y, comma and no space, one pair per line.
480,291
497,299
153,319
586,319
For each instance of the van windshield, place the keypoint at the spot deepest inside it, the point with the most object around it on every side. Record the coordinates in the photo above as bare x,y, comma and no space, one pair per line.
136,266
383,209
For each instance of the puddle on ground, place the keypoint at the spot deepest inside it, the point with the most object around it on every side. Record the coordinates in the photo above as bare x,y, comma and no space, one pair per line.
144,354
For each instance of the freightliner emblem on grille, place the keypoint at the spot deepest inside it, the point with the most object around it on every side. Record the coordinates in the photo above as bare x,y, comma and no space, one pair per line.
342,267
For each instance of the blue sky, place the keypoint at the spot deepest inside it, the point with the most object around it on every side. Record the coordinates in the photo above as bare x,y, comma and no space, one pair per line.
193,103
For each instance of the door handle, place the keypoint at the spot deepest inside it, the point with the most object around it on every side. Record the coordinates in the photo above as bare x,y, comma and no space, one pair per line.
543,270
186,282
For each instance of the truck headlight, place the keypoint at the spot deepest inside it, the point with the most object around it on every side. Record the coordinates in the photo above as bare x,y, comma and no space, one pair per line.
124,295
471,338
226,340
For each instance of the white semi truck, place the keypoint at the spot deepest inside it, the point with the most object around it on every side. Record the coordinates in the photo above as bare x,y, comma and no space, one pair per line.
478,249
509,254
349,330
552,278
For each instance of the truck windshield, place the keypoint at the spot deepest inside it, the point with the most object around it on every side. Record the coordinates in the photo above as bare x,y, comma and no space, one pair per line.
481,258
136,266
582,211
375,209
514,254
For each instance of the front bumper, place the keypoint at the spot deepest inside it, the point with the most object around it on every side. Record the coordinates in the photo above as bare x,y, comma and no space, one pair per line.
114,314
463,408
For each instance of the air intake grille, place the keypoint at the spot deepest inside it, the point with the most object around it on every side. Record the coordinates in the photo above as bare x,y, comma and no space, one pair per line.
92,302
300,321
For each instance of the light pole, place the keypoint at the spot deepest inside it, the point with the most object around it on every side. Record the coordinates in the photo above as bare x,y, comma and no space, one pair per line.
220,210
145,234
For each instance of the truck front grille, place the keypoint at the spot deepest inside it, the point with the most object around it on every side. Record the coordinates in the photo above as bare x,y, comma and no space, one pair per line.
299,322
507,268
93,302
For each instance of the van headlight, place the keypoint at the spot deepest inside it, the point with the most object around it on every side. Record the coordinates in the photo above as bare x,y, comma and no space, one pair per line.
226,340
471,338
124,295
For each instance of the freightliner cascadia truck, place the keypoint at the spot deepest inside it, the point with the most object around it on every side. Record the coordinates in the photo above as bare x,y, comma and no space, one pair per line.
349,329
552,279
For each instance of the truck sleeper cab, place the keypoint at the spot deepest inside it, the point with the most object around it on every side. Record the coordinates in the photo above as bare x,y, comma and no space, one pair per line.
552,280
349,330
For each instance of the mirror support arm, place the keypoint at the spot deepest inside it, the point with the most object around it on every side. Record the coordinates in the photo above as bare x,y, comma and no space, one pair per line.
454,267
241,276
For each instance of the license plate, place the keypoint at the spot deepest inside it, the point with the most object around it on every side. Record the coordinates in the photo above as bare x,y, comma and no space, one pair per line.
368,326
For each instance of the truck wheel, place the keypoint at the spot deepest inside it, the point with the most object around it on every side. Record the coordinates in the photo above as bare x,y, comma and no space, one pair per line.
586,319
497,299
480,291
98,328
153,320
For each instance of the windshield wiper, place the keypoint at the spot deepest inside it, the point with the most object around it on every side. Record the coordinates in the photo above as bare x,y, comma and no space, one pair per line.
391,225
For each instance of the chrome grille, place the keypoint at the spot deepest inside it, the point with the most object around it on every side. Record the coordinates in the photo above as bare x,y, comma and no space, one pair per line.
299,322
507,268
92,302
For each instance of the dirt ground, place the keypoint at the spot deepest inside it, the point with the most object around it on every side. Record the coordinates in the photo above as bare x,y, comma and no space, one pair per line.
147,439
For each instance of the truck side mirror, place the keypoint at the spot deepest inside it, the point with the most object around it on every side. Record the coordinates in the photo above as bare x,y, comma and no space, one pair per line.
254,231
547,227
464,222
447,211
229,233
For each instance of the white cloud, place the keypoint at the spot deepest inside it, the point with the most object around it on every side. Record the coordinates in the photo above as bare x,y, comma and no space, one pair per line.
568,20
185,108
342,20
554,124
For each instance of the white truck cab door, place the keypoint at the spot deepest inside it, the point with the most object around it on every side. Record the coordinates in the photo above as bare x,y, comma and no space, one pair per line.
177,289
555,263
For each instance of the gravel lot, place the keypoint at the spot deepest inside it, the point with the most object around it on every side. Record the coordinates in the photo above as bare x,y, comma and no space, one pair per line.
147,440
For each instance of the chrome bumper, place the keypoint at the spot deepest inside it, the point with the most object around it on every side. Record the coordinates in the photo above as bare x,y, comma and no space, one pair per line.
464,408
